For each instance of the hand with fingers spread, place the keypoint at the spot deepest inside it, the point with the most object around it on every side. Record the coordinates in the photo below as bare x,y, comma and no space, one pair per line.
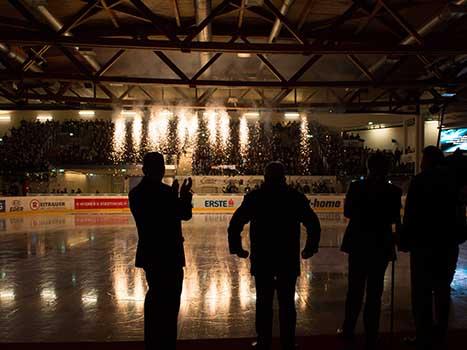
308,253
242,253
175,186
186,187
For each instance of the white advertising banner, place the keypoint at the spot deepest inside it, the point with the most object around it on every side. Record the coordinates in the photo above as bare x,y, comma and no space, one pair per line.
201,203
36,204
216,203
226,203
327,203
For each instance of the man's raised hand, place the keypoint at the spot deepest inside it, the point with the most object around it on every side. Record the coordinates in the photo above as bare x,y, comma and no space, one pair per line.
186,187
175,186
243,253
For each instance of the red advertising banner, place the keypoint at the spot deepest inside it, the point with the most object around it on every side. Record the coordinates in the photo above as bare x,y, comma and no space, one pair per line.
101,203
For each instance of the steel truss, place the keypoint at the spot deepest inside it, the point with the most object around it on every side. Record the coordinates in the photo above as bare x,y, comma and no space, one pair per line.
175,35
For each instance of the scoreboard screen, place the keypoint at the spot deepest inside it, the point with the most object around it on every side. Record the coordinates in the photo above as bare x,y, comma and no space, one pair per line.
452,139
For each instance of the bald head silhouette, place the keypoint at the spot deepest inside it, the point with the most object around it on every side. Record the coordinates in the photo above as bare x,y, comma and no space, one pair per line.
153,166
432,158
274,173
378,164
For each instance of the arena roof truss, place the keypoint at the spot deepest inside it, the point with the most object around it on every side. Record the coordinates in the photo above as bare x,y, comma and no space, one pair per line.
349,56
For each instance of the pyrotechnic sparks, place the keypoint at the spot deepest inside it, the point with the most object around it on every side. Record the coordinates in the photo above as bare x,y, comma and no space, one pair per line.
223,128
137,132
187,127
304,143
158,127
243,135
218,124
119,138
211,123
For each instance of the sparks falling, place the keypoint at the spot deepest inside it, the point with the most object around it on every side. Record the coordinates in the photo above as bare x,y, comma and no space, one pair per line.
119,137
158,127
137,132
243,135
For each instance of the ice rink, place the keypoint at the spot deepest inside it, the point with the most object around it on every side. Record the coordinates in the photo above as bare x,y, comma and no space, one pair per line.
72,278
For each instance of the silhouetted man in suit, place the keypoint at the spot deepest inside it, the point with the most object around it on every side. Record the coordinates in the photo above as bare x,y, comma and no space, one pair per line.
434,226
158,210
457,163
373,205
275,212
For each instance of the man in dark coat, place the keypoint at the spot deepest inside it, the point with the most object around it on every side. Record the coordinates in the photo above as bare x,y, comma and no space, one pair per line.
158,210
275,212
434,226
457,163
373,206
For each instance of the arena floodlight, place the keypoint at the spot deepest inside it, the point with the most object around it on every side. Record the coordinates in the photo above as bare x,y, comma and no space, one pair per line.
129,113
87,113
5,118
370,123
166,113
291,115
251,115
243,55
44,118
209,112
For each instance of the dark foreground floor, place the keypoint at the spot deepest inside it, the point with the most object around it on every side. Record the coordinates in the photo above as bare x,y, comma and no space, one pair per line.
71,278
328,342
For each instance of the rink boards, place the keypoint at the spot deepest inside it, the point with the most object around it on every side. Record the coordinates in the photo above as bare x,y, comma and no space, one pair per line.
201,204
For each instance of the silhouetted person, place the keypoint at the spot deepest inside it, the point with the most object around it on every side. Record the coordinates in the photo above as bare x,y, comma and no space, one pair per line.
275,212
397,156
434,226
158,210
373,205
457,162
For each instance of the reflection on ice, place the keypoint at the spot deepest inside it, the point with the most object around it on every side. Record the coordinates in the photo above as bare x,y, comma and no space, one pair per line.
72,277
7,295
48,294
89,298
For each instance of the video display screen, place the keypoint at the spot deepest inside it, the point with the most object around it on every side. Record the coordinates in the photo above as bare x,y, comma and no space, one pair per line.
452,139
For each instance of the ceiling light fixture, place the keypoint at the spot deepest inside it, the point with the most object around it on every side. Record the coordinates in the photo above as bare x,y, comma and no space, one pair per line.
291,115
44,118
87,113
129,113
251,114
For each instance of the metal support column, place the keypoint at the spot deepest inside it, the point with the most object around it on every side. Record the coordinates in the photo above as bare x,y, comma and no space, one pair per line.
406,136
419,140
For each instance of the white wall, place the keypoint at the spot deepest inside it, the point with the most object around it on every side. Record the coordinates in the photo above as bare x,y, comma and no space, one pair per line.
382,138
431,133
87,184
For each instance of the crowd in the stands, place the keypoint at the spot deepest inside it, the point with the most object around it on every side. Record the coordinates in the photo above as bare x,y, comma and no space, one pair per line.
36,147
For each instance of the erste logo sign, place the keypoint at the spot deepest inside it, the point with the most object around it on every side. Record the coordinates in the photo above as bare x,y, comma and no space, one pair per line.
219,203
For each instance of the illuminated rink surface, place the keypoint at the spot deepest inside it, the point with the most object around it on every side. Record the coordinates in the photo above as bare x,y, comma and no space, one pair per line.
72,278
